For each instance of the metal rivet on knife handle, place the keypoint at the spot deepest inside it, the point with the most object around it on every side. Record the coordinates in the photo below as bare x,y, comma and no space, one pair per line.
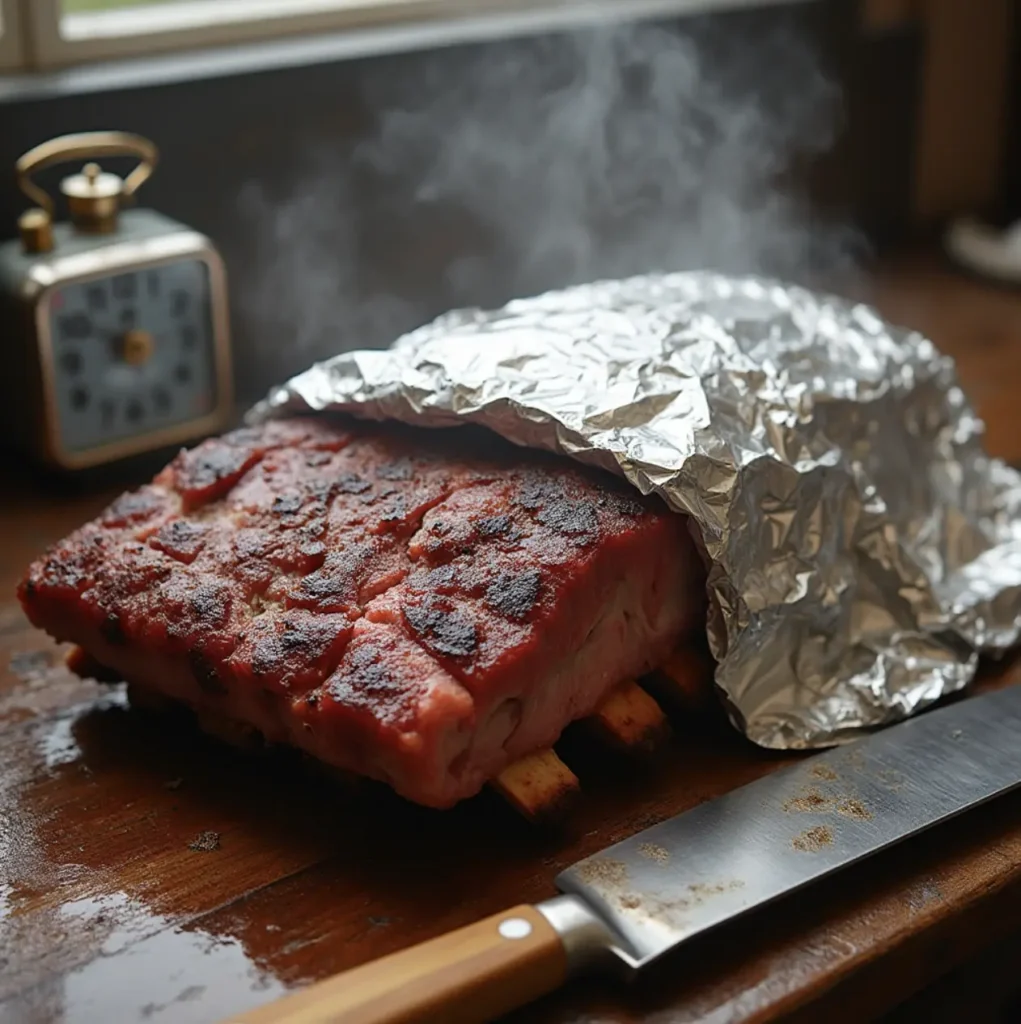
514,928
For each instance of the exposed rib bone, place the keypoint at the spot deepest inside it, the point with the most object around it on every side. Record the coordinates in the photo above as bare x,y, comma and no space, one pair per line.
630,720
540,785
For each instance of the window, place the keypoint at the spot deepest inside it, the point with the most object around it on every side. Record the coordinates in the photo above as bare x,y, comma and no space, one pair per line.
72,31
58,33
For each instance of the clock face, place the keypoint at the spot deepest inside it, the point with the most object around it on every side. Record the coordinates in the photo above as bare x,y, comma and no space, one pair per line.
133,353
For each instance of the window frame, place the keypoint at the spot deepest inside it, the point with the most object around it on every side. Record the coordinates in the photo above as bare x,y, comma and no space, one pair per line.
45,48
53,49
12,36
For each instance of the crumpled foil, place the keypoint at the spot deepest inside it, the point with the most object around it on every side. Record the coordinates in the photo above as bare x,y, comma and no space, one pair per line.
863,548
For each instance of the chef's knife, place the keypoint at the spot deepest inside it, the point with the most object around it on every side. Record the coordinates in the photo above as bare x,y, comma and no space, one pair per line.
637,900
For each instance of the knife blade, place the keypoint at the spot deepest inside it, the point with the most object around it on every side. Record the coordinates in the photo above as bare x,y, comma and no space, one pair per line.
637,900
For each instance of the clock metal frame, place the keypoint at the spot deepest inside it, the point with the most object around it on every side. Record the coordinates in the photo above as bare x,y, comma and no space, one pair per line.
55,270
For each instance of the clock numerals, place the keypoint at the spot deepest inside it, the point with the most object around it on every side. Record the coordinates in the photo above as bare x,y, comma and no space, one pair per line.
71,362
75,326
161,399
132,353
124,287
95,296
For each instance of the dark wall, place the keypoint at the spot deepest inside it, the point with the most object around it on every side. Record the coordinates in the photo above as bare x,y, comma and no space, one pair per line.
355,200
1010,204
883,95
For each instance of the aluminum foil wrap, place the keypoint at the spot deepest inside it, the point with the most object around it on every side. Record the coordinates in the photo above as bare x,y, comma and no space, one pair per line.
863,548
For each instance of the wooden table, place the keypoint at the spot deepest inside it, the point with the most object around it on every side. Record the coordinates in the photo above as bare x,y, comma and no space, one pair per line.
108,914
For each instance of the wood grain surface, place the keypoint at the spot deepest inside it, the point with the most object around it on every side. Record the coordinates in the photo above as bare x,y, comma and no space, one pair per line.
148,874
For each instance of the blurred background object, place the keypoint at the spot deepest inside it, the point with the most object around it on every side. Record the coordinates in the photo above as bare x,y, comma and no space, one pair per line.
366,164
116,319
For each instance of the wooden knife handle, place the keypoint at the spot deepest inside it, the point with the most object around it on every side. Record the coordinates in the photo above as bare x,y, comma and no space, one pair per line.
468,976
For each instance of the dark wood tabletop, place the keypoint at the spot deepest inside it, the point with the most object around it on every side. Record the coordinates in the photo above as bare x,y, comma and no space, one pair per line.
111,912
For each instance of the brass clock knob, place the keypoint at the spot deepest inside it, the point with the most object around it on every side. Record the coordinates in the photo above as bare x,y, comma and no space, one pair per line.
137,347
36,230
93,198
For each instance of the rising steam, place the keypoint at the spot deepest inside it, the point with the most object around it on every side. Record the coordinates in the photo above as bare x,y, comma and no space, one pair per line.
551,161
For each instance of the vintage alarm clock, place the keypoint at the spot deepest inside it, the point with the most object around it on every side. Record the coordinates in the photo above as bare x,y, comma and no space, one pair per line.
115,324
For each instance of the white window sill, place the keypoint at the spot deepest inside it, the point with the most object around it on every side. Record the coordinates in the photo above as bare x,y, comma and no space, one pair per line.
185,64
202,16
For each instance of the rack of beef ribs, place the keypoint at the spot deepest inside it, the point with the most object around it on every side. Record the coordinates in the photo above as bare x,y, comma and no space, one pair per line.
428,608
